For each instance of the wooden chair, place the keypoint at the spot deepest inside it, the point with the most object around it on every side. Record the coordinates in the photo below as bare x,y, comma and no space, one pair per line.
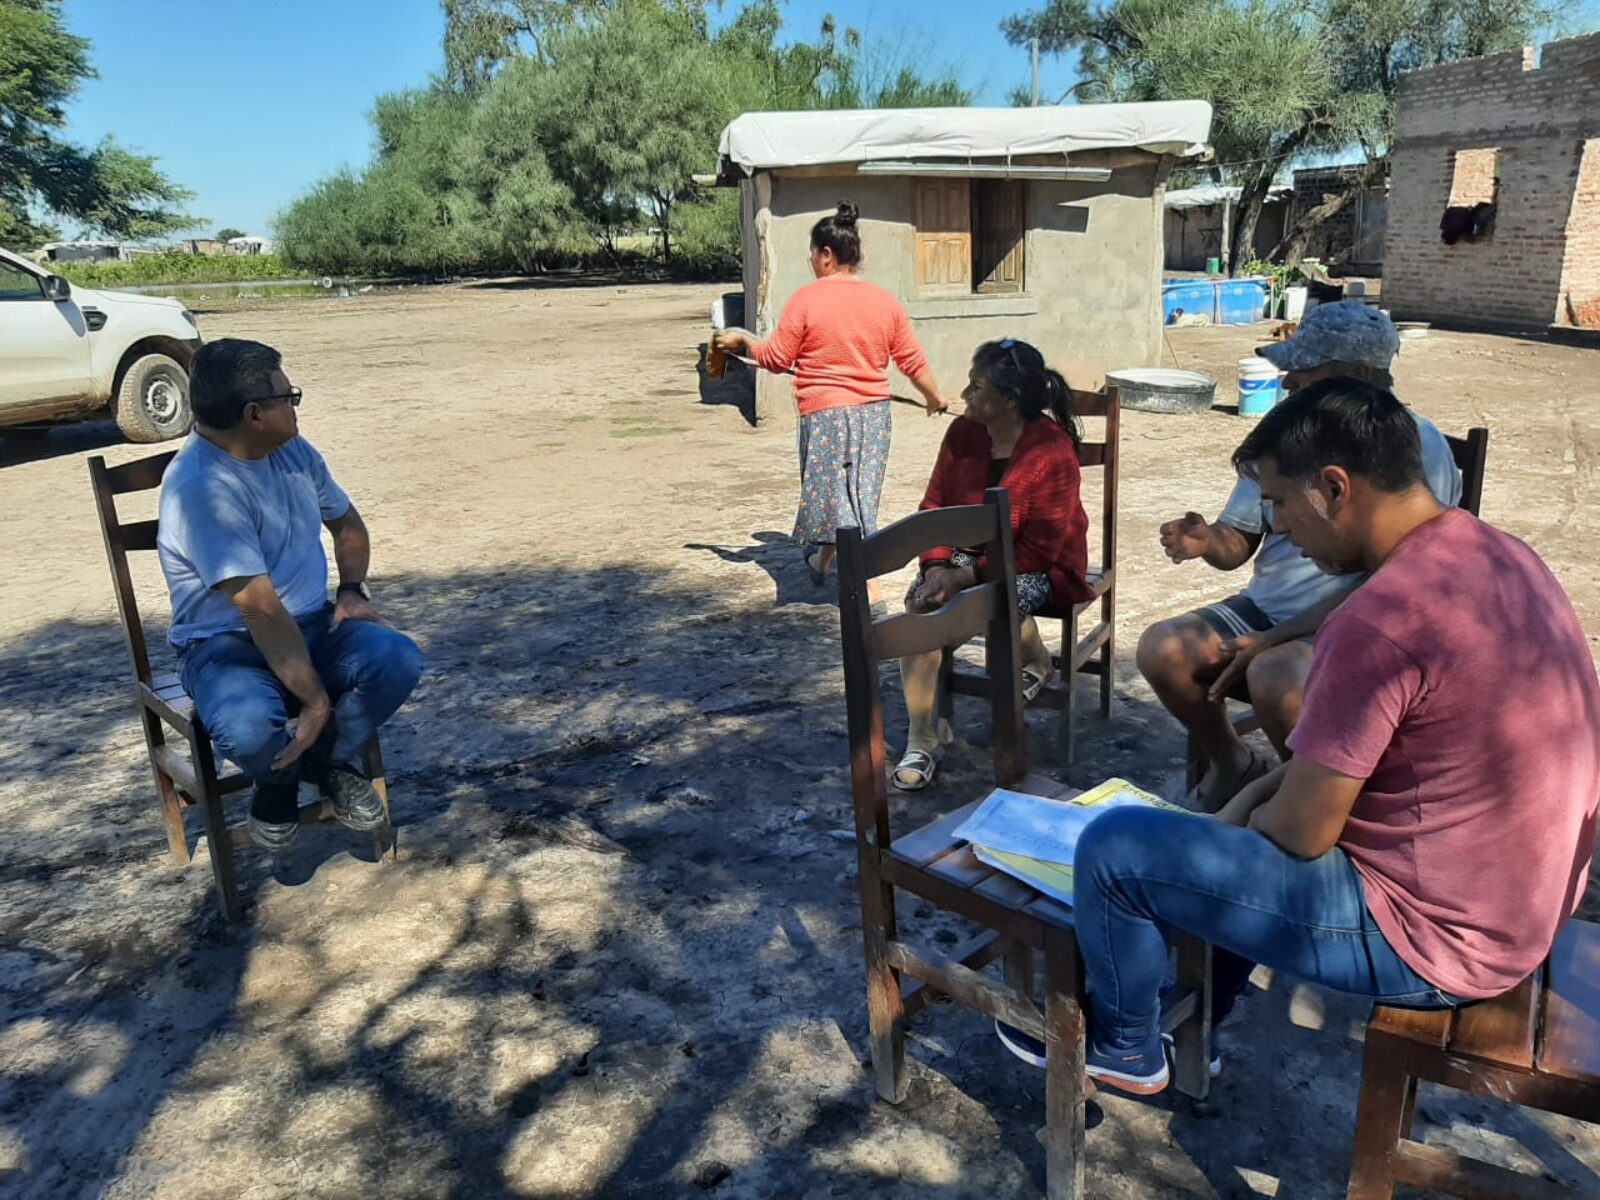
1538,1045
1095,652
186,773
1018,921
1472,458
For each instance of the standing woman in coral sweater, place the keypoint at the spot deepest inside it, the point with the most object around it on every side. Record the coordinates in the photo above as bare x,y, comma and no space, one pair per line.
838,335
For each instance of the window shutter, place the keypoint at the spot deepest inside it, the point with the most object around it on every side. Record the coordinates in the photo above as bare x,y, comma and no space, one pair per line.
944,235
1000,233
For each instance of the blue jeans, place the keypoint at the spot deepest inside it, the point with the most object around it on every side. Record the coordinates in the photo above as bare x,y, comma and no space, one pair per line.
368,670
1142,872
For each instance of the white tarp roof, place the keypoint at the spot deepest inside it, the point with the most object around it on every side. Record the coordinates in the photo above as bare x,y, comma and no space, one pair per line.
1208,194
760,141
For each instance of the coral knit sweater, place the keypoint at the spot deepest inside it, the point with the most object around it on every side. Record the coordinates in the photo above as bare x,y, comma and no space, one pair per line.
838,334
1049,529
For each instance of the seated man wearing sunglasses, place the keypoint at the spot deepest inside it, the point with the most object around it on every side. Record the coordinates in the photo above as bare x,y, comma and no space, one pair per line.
243,506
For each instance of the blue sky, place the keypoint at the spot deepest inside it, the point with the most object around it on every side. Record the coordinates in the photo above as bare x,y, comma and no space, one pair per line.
248,102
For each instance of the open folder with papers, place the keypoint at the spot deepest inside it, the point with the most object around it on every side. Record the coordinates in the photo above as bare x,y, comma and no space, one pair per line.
1034,839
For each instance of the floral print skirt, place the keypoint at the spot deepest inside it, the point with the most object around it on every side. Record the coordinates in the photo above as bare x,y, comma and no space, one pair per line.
844,453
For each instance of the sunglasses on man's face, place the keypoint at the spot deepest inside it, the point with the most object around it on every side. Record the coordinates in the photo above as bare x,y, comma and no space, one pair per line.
292,396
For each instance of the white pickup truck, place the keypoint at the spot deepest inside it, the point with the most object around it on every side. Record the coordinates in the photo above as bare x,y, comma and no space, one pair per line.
69,352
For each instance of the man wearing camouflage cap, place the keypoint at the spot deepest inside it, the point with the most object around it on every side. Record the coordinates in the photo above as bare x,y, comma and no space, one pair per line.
1256,644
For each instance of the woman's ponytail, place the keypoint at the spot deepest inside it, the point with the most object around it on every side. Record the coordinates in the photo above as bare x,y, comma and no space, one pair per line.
1058,399
1019,370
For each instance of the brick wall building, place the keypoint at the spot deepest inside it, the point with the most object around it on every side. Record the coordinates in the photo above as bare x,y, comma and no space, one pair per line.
1520,131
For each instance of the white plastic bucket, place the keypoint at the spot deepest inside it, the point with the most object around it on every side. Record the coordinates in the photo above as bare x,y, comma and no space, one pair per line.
1294,302
1259,385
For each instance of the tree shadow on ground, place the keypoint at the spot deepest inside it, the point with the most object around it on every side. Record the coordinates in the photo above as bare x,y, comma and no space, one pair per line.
620,954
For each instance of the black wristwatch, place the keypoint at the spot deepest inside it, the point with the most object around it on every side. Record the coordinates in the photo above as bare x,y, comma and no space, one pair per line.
359,589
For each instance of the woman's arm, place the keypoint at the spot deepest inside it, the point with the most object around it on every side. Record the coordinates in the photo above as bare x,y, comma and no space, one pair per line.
909,356
932,398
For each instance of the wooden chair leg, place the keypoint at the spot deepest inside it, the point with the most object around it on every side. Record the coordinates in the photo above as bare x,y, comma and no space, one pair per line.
1191,1041
947,695
172,815
385,840
1064,742
885,1011
1108,677
1018,968
1381,1114
1063,1088
219,843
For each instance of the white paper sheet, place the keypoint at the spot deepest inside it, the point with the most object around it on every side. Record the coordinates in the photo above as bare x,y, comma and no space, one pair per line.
1045,829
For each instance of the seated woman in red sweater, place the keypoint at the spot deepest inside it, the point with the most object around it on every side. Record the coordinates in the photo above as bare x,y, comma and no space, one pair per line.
1018,432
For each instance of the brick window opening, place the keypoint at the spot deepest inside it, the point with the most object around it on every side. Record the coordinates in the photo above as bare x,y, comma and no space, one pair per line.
971,236
1474,193
1476,179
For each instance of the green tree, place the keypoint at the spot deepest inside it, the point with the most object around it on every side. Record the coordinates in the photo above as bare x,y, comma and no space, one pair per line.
228,234
1285,77
630,111
105,189
481,36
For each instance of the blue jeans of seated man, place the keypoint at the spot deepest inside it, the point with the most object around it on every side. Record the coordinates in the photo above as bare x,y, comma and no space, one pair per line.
1141,873
367,668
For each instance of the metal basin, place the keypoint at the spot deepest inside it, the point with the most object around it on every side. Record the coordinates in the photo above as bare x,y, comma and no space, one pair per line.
1163,390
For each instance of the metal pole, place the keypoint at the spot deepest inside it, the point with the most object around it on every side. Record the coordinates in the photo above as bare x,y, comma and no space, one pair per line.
1034,43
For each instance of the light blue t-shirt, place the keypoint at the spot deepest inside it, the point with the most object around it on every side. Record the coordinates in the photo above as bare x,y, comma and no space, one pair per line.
1286,583
225,518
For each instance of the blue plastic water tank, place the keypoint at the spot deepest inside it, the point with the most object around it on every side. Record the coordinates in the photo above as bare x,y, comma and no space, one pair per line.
1241,301
1188,296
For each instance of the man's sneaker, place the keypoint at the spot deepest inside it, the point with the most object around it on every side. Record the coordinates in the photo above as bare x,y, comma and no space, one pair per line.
355,801
1029,1049
1214,1066
274,837
1143,1073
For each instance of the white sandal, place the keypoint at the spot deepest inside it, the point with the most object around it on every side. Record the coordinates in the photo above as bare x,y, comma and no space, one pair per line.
919,764
1033,683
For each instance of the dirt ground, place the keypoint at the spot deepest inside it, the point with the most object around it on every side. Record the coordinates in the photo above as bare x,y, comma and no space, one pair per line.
620,954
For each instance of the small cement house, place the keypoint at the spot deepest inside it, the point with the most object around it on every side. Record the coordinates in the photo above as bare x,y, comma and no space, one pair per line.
1494,203
1043,224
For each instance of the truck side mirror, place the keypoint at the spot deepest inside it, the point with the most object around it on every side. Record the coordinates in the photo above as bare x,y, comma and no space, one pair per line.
57,288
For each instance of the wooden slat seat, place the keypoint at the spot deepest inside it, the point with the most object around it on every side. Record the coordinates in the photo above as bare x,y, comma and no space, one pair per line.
1536,1045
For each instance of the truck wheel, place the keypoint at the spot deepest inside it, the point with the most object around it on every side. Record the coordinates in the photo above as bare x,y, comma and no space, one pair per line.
152,404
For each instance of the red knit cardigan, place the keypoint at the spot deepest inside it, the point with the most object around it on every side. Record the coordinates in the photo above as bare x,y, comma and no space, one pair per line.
1050,530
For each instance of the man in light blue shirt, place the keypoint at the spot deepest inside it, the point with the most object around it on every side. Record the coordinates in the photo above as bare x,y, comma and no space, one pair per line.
1256,645
243,507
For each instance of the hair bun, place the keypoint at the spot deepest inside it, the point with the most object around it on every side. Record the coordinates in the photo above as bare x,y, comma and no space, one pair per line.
848,214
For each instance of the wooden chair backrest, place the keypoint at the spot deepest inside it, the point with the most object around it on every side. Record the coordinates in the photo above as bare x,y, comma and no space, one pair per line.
989,608
1472,457
123,538
1104,403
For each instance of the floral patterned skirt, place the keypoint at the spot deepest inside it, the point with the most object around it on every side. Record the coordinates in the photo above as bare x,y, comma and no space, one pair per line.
844,453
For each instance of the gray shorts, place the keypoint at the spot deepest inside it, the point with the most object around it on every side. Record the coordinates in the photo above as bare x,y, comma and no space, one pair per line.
1235,617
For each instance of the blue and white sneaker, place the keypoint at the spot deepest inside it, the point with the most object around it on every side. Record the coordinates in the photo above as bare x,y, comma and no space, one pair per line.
1029,1049
1143,1073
